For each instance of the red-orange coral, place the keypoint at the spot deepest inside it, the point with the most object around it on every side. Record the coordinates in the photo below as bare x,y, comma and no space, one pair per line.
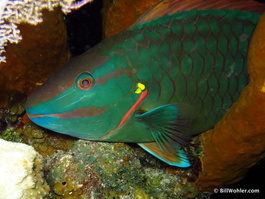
121,14
43,49
237,142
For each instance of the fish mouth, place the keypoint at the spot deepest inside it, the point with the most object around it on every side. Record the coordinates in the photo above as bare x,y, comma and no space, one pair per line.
43,115
43,120
74,114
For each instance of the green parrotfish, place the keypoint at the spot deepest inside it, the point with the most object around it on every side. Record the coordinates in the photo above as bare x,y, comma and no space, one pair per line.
157,83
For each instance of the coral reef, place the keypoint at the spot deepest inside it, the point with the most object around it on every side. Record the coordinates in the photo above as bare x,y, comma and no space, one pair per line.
21,172
44,141
20,11
42,51
242,129
114,170
15,127
11,120
16,111
13,135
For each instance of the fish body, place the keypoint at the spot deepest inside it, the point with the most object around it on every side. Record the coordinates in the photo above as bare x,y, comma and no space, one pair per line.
155,84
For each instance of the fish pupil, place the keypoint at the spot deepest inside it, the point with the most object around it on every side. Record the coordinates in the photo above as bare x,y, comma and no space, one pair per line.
85,83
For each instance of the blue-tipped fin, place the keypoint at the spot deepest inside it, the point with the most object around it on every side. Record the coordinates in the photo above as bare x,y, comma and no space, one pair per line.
169,125
170,128
177,158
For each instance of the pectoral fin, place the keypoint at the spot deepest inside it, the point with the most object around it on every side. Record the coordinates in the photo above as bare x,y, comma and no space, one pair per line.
169,125
177,158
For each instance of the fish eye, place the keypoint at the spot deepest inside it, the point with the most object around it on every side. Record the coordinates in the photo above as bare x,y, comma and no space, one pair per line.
85,81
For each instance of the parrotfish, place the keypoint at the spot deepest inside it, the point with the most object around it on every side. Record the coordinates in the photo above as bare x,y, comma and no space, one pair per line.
157,83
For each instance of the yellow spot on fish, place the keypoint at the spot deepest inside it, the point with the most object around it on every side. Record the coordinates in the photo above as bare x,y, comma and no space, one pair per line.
38,84
140,88
263,88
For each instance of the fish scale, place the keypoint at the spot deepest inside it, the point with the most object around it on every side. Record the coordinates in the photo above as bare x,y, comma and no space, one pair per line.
154,84
207,73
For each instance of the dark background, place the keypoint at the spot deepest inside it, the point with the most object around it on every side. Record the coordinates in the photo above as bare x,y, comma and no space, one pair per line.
84,27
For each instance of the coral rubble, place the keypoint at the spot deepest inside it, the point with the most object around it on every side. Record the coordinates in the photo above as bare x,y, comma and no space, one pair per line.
21,172
114,170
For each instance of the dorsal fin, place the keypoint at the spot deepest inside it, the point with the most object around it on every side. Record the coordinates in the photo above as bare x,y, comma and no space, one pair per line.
173,6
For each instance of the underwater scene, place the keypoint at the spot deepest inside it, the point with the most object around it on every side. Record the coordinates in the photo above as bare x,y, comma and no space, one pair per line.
132,99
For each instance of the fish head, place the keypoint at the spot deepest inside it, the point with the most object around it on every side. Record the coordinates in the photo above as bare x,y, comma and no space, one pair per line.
88,98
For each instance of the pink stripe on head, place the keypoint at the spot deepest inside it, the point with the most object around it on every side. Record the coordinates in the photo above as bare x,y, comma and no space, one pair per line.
126,116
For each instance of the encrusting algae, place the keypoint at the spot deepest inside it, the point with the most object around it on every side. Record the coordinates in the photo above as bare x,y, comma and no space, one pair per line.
11,122
45,142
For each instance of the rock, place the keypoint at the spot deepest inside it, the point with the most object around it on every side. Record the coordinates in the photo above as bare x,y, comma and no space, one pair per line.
115,170
21,172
